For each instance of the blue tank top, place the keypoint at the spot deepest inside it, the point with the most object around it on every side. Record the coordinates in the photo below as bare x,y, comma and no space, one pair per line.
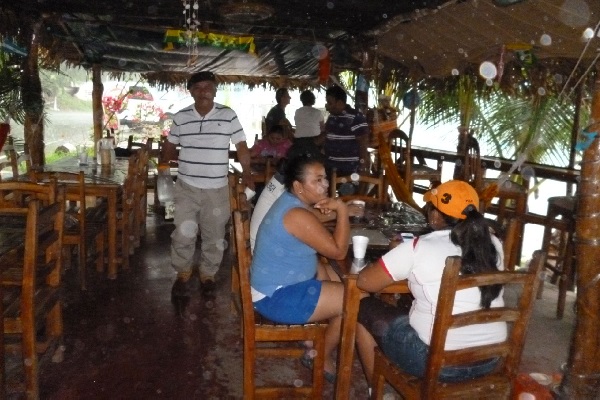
280,259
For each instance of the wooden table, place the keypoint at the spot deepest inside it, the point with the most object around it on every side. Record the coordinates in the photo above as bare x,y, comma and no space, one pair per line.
101,182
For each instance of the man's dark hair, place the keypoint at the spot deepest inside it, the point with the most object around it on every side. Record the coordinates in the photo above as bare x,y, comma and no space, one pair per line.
337,93
307,98
279,94
199,77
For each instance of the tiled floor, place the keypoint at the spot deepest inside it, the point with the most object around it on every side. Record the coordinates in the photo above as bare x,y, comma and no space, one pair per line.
124,339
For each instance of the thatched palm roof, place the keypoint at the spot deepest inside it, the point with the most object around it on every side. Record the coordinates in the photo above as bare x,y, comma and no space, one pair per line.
426,37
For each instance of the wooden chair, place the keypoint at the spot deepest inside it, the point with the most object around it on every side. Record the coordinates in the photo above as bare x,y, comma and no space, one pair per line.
367,188
30,280
85,227
18,194
126,215
499,383
16,160
236,191
558,243
468,168
510,201
141,169
257,330
411,169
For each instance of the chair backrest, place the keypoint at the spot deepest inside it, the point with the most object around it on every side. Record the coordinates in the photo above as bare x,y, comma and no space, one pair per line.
15,158
241,226
367,188
400,148
77,208
468,167
18,193
517,317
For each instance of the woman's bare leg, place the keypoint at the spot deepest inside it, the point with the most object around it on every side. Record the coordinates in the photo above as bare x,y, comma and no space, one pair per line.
329,308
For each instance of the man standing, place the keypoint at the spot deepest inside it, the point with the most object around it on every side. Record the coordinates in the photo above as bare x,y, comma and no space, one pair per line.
203,132
346,135
276,115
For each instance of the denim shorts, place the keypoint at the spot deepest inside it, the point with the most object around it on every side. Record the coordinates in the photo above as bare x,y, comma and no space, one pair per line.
402,345
293,304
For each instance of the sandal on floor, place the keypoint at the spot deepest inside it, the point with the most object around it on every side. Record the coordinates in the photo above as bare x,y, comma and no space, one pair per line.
307,361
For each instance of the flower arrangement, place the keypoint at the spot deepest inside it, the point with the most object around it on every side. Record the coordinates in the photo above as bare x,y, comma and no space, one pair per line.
113,105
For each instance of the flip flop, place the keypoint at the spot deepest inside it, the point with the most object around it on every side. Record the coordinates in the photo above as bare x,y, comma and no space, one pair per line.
307,361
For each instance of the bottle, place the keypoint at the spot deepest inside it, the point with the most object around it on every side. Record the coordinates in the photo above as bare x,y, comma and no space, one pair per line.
357,265
164,184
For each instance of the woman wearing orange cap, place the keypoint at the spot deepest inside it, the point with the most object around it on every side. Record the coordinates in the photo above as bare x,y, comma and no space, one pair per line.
458,230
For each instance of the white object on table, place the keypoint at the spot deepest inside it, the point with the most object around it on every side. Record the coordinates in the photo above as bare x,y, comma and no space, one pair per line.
359,246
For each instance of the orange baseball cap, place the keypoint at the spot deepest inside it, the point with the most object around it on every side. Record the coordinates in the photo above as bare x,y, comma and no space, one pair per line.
453,197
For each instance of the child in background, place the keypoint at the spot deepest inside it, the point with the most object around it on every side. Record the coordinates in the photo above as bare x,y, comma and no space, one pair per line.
274,146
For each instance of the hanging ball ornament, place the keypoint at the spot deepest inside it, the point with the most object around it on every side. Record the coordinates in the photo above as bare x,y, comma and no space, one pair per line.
488,70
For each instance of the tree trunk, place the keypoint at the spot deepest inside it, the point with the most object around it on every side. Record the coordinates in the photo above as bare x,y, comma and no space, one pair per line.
97,109
31,93
582,377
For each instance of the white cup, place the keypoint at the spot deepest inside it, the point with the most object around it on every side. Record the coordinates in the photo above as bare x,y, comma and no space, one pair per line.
249,193
359,246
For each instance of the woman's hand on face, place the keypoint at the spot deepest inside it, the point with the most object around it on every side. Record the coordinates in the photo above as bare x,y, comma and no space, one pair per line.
329,204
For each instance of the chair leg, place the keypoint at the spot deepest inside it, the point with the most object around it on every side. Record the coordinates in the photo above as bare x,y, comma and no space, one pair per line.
378,378
82,263
100,252
249,359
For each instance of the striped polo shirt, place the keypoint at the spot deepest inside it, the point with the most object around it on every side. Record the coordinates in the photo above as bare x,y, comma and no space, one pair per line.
204,144
342,148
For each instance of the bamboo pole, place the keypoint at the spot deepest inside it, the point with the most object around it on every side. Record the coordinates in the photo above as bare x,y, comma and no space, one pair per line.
97,109
582,376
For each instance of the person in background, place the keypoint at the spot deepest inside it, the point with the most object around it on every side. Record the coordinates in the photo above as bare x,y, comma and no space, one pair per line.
459,230
276,115
346,135
310,124
288,283
203,132
275,147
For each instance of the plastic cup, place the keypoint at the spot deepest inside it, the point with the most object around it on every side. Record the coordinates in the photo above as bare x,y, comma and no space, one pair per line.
359,246
249,193
83,158
356,208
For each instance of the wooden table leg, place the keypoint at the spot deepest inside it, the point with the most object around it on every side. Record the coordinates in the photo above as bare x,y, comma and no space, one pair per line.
347,337
112,234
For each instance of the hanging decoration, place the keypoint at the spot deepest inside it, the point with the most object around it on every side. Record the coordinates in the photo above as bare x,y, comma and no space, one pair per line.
586,138
177,38
191,23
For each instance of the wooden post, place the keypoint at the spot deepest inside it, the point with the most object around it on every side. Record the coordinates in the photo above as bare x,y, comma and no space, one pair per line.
97,109
31,93
582,376
575,133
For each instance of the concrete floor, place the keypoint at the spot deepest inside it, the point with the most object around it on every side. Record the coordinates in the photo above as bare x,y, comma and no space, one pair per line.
125,340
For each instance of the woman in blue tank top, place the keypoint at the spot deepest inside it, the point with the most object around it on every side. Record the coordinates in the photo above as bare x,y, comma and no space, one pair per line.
289,285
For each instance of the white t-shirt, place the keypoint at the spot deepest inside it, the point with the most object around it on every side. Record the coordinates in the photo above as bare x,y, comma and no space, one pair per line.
422,263
308,122
273,189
